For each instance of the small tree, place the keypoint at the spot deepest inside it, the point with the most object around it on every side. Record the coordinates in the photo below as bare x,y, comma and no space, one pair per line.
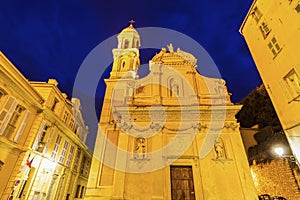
258,109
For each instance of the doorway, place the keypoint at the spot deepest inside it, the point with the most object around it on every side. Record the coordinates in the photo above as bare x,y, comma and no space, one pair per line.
182,184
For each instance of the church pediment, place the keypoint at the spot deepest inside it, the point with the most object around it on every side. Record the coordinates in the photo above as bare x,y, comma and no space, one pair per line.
174,80
171,57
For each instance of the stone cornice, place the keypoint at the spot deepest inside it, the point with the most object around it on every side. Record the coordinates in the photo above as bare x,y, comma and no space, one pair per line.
10,73
176,119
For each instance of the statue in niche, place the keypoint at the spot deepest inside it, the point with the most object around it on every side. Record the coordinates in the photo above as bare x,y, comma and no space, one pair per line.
174,88
219,149
140,148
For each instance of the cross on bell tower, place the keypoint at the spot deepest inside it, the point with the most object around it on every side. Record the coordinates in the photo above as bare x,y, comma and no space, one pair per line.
131,21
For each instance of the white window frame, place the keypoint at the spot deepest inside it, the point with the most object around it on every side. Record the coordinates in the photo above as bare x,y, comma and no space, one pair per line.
65,117
77,159
63,153
21,127
70,156
39,135
14,122
292,84
56,147
7,111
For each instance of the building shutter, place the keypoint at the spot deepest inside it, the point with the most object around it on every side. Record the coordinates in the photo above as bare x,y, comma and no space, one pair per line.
22,126
48,140
7,112
38,137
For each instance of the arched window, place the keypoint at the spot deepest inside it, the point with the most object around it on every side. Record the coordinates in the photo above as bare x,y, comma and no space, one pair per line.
126,44
123,64
137,44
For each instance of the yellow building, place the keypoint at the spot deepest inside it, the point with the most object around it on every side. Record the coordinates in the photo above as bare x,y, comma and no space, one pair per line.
271,30
169,135
62,159
50,159
20,104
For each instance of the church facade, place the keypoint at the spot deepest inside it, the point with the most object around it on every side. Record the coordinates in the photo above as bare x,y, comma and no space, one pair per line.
169,135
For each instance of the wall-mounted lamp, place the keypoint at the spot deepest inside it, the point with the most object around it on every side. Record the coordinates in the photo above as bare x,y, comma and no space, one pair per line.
279,151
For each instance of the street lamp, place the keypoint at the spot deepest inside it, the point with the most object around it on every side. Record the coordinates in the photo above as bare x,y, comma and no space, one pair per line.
280,152
291,159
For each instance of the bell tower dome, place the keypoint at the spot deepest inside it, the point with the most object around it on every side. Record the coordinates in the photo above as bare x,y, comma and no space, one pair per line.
126,56
129,38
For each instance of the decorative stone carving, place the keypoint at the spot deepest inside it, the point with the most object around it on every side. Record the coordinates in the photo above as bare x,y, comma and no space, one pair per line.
188,57
200,127
125,126
156,126
219,149
140,148
231,125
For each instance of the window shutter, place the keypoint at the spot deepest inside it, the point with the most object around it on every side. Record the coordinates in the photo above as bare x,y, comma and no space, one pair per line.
48,140
283,85
7,112
37,139
22,126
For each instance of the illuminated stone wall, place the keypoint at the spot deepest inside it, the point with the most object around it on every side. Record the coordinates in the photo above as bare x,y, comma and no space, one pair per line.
276,179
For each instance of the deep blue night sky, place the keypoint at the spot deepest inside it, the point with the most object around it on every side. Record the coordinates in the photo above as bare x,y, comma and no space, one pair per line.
50,39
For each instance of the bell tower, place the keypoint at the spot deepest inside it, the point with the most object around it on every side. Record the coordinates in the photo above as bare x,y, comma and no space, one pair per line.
126,56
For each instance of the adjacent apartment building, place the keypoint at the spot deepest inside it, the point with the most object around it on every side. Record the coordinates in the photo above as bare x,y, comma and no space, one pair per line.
42,139
271,30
